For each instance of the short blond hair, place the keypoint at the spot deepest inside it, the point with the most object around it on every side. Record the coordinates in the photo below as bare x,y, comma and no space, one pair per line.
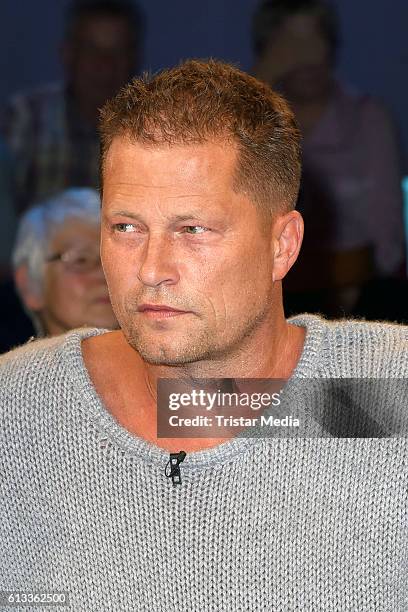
200,101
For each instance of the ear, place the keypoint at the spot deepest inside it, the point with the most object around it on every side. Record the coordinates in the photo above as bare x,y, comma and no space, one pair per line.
287,236
31,298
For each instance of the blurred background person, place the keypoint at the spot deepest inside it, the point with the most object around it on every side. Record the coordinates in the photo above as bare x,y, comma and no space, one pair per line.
57,267
350,195
52,132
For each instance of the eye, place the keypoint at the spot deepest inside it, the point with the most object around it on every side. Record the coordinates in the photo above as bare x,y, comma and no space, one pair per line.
124,227
195,229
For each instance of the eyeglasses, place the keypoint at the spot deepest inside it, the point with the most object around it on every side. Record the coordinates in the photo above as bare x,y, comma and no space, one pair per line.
78,261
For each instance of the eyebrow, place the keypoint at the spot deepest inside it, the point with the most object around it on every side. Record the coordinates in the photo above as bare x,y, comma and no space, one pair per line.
194,214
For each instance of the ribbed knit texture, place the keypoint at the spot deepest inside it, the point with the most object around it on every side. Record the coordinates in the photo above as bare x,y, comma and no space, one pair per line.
314,525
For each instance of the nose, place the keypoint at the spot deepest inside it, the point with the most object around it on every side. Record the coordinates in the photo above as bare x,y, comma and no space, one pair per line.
158,266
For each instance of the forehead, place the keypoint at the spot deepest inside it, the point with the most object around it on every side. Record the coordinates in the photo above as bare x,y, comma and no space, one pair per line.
194,168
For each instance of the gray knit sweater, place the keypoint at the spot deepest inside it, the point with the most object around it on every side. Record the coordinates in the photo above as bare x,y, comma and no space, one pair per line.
257,524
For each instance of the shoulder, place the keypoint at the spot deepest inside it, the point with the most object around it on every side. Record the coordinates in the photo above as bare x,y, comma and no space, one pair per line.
29,354
369,349
42,384
35,366
357,348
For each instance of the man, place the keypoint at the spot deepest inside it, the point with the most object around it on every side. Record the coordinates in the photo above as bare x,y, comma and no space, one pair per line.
52,132
57,267
200,176
351,185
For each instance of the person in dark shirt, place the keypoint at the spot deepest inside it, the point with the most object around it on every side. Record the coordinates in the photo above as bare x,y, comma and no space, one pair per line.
350,195
52,131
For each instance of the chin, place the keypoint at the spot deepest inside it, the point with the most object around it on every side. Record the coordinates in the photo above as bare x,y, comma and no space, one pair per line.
168,357
173,352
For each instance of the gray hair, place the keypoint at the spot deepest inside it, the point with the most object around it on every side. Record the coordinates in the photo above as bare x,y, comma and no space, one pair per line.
40,222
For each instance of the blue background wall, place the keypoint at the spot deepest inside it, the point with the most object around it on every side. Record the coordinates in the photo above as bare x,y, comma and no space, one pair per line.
374,56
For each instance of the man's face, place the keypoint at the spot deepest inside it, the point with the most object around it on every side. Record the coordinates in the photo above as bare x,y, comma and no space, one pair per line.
100,58
175,235
74,291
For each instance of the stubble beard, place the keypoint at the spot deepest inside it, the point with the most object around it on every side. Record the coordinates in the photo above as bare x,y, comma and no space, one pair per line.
190,347
182,350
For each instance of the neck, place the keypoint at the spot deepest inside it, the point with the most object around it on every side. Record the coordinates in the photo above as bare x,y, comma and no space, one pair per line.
271,351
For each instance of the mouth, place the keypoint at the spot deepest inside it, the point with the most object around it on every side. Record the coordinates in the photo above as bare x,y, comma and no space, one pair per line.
160,311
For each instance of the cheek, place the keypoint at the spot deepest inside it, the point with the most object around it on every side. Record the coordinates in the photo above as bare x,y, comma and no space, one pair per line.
227,282
246,278
106,262
118,270
121,280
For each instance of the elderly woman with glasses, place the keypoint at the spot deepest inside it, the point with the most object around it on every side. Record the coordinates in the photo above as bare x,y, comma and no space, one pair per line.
57,268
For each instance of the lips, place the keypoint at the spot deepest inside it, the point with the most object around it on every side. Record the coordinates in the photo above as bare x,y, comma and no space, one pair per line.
160,310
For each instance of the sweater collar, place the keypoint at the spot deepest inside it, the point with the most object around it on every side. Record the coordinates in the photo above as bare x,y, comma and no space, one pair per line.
131,445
